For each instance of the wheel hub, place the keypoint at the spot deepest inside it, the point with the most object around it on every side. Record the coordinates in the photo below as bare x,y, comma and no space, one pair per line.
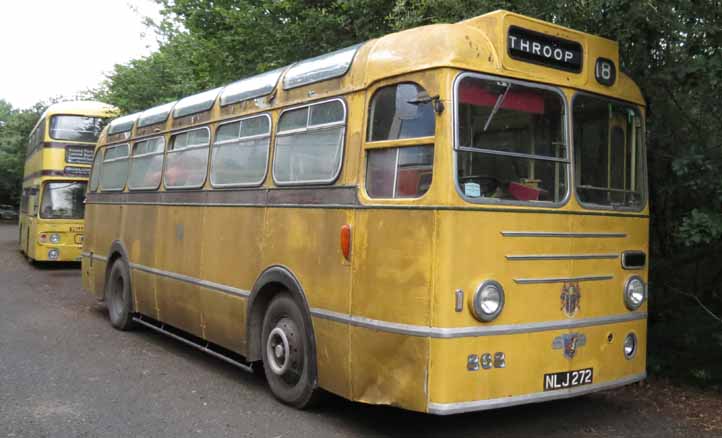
282,348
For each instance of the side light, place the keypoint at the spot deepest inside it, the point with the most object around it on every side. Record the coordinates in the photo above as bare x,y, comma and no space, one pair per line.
635,292
488,301
346,241
43,238
630,346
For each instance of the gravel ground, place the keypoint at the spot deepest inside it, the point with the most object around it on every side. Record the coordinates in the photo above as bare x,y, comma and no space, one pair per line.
64,372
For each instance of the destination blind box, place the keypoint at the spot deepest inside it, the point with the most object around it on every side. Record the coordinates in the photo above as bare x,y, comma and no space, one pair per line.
538,48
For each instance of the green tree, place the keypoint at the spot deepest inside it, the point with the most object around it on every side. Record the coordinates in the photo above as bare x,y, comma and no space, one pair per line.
671,48
14,134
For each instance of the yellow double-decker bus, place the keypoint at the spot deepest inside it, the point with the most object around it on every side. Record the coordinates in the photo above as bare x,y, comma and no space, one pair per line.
446,219
57,165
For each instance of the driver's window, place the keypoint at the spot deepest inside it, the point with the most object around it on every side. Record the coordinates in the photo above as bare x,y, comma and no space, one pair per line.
400,111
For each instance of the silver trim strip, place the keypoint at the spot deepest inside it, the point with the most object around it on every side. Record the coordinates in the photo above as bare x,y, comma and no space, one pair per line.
537,397
561,257
192,280
464,332
559,234
562,279
194,345
95,256
409,329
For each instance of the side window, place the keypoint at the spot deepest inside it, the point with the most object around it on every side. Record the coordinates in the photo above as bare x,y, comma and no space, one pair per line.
240,152
24,201
146,164
33,201
95,175
114,170
403,172
187,159
309,144
400,111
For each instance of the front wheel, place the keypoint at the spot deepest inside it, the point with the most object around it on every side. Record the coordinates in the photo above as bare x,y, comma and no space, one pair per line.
288,359
118,298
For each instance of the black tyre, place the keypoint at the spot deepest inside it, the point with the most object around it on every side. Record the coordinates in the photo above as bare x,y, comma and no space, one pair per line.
118,298
288,358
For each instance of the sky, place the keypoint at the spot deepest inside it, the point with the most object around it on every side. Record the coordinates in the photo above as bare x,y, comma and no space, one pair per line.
51,48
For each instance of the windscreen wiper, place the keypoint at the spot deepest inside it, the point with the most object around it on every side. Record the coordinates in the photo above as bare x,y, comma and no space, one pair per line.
499,101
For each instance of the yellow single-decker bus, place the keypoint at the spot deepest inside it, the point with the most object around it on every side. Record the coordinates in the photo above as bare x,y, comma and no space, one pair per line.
451,218
57,165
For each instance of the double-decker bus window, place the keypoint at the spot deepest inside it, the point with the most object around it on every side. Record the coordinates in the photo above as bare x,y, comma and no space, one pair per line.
146,164
95,172
114,170
240,152
76,128
511,141
608,152
309,144
403,172
397,112
187,159
63,200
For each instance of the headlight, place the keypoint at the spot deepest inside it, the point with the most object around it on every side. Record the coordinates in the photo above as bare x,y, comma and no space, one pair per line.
53,254
488,301
634,293
54,238
630,346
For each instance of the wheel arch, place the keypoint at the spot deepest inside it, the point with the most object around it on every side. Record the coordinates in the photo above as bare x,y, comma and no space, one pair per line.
117,251
273,280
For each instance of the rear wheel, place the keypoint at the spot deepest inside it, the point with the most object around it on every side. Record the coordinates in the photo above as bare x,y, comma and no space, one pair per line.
118,297
288,359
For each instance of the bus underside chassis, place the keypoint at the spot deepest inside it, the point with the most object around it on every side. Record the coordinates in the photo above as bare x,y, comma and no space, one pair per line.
286,348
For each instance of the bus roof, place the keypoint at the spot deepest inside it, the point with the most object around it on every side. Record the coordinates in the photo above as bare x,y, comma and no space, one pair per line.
81,107
480,44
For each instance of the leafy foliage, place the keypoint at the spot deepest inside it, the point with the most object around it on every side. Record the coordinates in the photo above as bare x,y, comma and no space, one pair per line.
14,131
671,48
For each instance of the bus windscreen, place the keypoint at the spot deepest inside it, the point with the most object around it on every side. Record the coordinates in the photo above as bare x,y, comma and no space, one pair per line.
76,128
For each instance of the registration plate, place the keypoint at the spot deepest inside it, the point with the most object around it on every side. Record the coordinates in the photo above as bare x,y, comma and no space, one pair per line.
568,379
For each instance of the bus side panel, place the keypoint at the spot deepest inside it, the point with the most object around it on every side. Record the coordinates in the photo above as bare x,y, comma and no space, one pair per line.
232,257
392,282
106,229
179,242
307,242
141,234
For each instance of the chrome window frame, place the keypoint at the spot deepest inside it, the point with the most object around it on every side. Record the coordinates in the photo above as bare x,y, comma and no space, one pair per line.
147,154
181,109
214,143
155,115
169,151
224,100
355,48
342,123
566,130
124,124
643,155
111,160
